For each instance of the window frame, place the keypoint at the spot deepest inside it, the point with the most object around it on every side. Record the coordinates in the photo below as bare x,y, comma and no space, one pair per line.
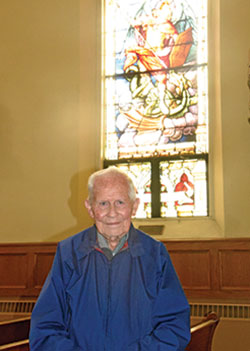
155,161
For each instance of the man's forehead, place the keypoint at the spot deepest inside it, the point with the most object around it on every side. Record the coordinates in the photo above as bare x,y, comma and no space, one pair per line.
108,180
111,189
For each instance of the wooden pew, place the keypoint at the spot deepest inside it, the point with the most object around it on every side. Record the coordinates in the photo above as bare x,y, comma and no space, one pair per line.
14,334
22,345
202,333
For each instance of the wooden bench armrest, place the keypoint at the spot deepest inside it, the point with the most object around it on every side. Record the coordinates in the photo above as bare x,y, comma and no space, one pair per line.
22,345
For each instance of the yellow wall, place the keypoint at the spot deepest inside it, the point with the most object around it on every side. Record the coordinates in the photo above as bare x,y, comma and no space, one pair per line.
235,46
47,116
50,117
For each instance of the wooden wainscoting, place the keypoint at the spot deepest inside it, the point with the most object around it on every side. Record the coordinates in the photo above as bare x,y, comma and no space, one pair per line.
24,267
209,269
213,269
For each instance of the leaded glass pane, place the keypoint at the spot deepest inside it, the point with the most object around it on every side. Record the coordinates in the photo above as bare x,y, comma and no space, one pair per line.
183,188
156,78
141,176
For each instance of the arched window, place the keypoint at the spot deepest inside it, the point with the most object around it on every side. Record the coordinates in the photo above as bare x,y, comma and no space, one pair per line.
155,102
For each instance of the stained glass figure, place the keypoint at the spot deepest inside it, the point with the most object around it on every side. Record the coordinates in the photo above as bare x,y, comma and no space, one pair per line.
155,102
156,78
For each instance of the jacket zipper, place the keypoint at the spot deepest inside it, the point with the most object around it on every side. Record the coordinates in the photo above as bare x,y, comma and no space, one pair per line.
108,302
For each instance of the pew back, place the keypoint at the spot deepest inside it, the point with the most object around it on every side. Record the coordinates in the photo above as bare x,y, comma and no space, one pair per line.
202,334
14,330
16,346
14,334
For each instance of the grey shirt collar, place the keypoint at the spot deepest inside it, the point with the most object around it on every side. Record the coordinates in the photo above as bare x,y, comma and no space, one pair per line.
103,243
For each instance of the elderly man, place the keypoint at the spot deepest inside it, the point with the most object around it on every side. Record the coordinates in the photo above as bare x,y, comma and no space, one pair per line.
111,287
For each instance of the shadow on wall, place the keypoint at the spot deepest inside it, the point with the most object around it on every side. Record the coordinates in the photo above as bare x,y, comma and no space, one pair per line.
78,194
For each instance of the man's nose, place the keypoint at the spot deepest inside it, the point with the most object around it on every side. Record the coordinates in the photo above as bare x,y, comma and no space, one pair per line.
112,210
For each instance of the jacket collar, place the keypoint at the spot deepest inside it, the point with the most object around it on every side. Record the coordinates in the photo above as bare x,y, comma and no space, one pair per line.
135,242
88,242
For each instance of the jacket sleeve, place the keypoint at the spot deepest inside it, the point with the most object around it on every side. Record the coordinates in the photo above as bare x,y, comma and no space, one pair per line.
50,316
171,315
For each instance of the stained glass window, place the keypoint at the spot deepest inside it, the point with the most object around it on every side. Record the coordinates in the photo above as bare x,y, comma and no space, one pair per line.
156,119
141,175
183,188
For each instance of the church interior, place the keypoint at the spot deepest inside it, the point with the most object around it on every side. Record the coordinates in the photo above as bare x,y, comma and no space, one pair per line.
51,141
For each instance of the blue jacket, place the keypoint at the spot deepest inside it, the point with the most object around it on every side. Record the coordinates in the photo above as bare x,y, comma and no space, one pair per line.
133,302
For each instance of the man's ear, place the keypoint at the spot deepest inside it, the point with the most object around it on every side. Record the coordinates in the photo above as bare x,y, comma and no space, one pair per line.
135,206
89,208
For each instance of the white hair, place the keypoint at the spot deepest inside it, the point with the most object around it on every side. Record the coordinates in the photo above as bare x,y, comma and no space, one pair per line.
115,171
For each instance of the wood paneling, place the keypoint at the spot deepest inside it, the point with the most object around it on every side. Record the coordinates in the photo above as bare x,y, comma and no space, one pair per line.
17,263
43,263
24,267
234,269
191,277
209,269
213,269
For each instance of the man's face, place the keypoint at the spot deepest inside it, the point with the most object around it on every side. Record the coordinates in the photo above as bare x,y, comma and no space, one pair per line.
111,207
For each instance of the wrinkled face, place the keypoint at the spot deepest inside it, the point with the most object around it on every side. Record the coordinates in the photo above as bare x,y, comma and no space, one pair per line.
111,207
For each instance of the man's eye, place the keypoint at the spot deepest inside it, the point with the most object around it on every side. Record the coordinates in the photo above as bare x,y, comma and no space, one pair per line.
103,203
119,202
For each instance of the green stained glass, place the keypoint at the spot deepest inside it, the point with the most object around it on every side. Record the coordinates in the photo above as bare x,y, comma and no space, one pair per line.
183,188
141,176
